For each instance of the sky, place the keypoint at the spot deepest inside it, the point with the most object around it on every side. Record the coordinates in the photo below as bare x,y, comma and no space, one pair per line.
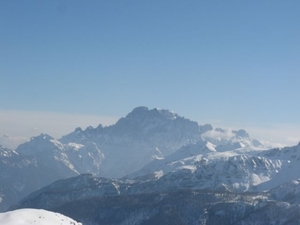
71,63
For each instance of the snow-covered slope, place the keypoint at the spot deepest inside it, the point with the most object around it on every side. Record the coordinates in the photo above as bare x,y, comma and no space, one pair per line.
68,157
40,162
202,166
185,157
49,152
35,216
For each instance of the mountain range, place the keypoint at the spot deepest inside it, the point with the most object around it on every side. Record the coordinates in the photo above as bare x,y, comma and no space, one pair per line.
143,167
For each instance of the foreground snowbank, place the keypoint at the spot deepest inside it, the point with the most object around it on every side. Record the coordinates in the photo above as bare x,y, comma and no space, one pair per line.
35,216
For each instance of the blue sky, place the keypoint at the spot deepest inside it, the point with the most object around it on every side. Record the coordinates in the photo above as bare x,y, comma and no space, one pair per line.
234,63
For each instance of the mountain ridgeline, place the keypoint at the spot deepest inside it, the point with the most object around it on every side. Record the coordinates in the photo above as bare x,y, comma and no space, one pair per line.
143,128
152,161
114,151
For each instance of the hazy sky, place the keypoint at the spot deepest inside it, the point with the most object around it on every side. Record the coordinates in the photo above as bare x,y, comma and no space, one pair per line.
232,63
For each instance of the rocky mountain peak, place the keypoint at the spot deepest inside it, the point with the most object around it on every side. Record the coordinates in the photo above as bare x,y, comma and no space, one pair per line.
41,137
144,113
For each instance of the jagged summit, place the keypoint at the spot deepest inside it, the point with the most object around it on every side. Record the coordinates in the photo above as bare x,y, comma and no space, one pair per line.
138,110
78,129
41,144
42,136
144,114
137,138
142,121
142,111
143,117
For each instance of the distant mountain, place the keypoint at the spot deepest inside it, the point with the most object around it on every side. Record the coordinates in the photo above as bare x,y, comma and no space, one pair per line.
143,136
40,162
21,173
68,157
138,138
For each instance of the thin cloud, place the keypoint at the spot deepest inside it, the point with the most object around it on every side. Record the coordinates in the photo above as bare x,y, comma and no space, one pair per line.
12,142
271,135
226,134
24,124
294,139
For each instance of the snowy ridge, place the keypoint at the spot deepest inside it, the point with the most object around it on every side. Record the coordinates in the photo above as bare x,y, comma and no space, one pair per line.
35,216
40,162
47,151
179,158
195,167
288,192
72,158
201,166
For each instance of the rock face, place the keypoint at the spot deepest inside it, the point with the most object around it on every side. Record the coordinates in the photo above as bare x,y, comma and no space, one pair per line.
138,138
